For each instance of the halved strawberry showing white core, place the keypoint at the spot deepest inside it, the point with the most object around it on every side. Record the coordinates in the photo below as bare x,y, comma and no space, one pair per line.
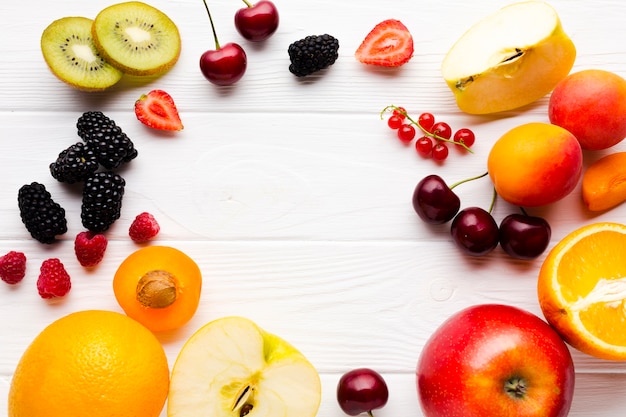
389,44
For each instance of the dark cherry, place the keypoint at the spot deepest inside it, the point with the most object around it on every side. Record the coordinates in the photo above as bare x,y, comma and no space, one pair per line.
224,65
523,236
257,22
434,201
361,391
475,231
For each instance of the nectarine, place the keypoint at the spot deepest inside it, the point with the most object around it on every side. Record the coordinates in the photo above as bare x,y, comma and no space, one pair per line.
535,164
592,105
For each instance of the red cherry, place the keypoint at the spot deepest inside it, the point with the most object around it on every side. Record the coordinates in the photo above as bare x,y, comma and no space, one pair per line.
361,391
257,22
224,65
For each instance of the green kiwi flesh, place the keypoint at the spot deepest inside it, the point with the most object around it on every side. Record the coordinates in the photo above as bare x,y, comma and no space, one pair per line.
136,38
71,55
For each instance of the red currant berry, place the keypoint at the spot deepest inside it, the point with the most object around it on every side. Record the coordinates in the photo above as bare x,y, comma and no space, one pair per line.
400,112
424,146
442,129
426,121
406,133
394,122
440,151
464,136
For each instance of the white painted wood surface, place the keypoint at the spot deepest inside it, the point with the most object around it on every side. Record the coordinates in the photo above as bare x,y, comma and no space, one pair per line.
291,194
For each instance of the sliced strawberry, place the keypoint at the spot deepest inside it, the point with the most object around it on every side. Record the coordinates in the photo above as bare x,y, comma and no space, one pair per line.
389,44
158,111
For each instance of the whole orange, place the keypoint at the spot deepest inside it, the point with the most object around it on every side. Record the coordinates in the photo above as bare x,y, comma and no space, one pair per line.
91,363
535,164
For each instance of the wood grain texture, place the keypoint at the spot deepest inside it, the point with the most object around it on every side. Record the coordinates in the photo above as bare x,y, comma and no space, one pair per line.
292,195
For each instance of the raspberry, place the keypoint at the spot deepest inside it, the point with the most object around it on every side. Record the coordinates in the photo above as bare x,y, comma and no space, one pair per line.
53,281
89,248
12,267
102,200
43,218
111,146
143,228
312,54
74,164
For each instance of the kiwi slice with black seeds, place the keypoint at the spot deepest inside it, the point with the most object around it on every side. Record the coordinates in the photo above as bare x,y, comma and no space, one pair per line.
71,55
136,38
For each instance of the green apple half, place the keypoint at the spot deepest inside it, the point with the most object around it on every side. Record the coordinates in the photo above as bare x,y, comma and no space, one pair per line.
509,59
231,368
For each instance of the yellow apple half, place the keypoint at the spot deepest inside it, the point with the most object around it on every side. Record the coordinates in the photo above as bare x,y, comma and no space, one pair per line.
509,59
231,368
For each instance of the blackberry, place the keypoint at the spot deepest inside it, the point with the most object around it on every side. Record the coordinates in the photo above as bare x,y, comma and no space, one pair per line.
111,145
102,200
74,164
312,54
43,218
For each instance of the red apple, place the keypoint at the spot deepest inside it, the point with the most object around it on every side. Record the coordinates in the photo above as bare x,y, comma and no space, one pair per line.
494,360
257,22
592,105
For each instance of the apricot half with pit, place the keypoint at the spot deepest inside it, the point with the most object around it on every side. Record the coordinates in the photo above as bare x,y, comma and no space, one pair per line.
535,164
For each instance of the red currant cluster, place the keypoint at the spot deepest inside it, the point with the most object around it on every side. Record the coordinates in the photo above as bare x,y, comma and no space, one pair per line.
435,135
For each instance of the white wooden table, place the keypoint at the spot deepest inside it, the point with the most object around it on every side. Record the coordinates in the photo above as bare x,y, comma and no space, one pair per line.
291,194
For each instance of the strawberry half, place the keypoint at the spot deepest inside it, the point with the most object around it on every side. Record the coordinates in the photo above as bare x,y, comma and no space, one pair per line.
389,44
158,111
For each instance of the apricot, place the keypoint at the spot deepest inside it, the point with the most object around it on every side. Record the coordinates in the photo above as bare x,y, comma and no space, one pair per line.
604,182
158,286
592,105
535,164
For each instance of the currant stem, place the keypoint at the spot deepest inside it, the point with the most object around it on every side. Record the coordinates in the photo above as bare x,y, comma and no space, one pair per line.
206,6
426,132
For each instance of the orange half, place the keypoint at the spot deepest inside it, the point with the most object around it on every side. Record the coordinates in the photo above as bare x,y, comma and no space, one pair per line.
582,289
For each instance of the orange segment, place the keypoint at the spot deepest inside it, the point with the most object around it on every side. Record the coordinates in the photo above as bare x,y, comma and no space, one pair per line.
582,289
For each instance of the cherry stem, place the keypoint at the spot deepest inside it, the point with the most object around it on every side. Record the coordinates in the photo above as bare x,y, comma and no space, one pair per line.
247,3
468,180
369,413
493,200
426,132
206,6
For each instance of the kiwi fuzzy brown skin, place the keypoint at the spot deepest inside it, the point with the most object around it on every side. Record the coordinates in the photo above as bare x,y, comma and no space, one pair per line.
136,38
69,52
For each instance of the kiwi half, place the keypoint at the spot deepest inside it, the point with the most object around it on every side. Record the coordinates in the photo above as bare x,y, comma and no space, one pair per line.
71,55
136,38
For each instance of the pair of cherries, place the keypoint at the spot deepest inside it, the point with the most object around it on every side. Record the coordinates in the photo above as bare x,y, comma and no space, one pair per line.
225,65
474,229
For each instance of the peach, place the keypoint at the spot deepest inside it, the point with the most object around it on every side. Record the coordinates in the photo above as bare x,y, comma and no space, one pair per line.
592,105
535,164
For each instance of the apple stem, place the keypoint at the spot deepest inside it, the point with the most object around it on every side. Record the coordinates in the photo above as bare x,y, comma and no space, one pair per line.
247,3
206,6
